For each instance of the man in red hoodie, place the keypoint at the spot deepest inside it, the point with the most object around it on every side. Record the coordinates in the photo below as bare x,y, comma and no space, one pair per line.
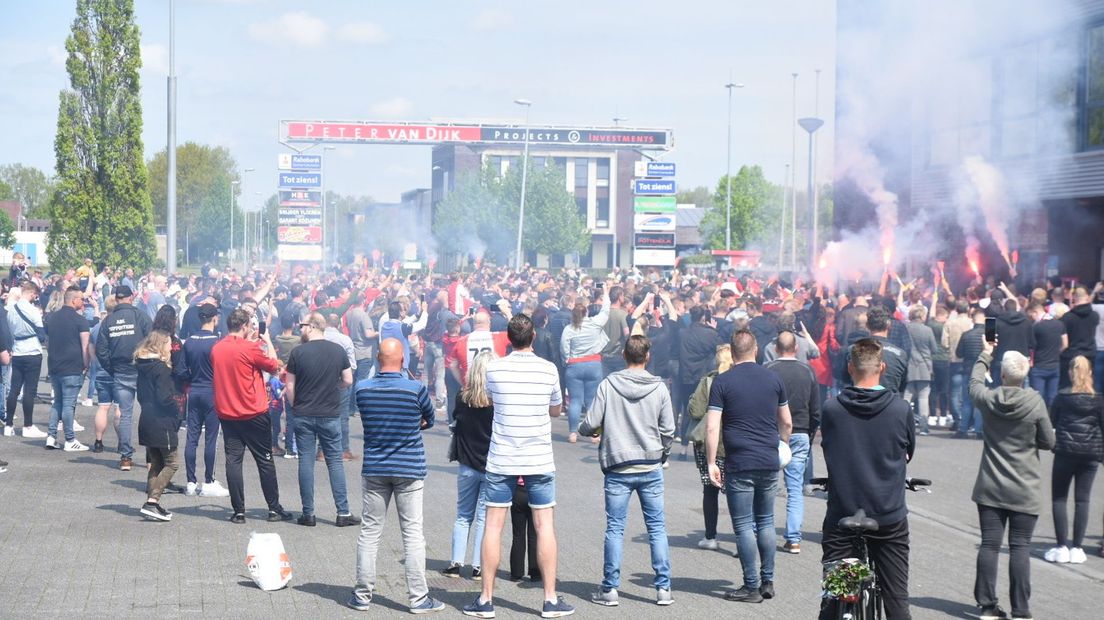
241,403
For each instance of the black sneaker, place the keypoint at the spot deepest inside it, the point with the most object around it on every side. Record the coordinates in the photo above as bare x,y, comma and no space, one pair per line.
275,516
346,520
744,595
767,589
97,447
3,466
477,573
452,572
307,520
155,511
238,518
993,612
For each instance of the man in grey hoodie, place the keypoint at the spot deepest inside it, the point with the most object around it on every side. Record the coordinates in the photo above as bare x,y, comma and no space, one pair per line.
632,414
1008,491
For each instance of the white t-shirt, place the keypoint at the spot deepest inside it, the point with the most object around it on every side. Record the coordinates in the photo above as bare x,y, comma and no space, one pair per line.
522,387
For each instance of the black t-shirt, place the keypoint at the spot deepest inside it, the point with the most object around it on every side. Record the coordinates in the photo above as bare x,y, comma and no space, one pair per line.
317,366
748,397
1048,343
65,356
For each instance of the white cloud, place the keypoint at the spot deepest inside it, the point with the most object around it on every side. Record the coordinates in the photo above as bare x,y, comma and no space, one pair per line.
361,32
397,106
297,28
57,55
492,19
155,59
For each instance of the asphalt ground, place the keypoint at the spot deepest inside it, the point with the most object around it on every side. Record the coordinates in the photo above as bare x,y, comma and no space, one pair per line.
72,542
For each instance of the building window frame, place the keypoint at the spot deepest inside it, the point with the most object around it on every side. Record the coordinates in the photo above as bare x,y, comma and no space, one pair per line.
1087,108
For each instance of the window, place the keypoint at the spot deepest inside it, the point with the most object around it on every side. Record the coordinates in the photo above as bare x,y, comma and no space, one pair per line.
510,162
538,162
603,165
1094,88
495,164
581,204
1016,117
582,173
602,214
960,113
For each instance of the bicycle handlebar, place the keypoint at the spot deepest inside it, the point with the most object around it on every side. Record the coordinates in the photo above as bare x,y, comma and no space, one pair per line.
912,484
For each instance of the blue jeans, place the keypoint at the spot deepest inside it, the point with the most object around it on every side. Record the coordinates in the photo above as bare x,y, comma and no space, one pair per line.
970,414
66,392
470,508
311,433
582,384
957,393
1045,382
201,417
794,475
93,371
619,489
751,504
346,398
124,389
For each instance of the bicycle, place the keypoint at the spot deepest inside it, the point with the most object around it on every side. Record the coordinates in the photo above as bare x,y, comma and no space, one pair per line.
866,602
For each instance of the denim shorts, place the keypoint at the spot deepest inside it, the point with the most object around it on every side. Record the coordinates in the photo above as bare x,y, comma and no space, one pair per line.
499,490
104,389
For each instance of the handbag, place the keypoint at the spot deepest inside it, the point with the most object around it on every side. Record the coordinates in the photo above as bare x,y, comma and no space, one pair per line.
39,332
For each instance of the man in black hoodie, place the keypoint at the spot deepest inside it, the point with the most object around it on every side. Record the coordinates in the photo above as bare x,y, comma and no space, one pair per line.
895,373
868,437
1080,324
1015,332
120,335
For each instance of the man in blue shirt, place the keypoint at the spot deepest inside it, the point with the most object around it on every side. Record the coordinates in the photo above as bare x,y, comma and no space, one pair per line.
747,404
394,411
196,370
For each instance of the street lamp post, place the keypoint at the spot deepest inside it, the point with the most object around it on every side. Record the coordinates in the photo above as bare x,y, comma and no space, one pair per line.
333,234
233,209
811,124
170,245
524,171
728,171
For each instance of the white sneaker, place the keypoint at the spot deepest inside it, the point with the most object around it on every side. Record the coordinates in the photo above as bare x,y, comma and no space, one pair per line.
75,446
213,489
9,431
933,421
1077,555
947,421
190,490
51,443
32,432
709,544
86,402
77,428
1059,555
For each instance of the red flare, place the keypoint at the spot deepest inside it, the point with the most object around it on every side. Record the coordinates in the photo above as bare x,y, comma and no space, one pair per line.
823,262
974,268
1015,257
887,255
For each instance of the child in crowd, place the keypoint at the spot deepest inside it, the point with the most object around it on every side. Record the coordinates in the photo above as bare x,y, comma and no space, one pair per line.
525,535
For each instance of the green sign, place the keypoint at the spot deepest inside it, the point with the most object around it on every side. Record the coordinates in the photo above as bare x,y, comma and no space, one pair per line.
654,204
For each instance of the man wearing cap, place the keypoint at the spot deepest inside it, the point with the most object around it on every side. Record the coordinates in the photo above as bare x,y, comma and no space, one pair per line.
120,335
196,370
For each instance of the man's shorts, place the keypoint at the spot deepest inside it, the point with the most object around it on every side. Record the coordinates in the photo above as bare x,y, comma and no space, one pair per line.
105,389
499,490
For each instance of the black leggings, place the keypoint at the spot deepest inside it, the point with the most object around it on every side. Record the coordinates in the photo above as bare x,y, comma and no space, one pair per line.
710,509
25,371
1081,472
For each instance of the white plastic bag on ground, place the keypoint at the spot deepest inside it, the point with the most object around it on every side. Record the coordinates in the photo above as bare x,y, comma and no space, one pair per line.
267,561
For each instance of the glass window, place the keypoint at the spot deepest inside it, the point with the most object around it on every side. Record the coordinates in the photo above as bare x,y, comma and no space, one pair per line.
1095,123
510,162
495,162
603,168
581,204
538,162
976,91
1018,137
1094,88
581,171
602,214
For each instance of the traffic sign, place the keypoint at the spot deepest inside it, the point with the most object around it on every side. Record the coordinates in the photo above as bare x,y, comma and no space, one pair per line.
653,169
295,161
651,240
654,187
295,180
300,198
654,204
648,222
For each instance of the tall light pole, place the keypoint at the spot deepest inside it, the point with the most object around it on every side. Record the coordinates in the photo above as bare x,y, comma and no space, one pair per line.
782,223
170,262
811,124
233,212
333,235
793,181
728,171
524,171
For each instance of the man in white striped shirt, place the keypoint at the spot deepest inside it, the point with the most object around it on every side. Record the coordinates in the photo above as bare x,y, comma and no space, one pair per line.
526,394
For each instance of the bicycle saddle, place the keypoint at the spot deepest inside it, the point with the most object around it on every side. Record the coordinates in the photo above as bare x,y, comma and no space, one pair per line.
859,522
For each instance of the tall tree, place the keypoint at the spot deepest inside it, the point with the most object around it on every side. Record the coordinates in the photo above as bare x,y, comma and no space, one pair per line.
7,230
101,209
30,186
752,195
6,191
203,182
700,197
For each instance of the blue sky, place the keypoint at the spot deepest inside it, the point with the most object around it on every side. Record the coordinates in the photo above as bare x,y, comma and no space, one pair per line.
243,65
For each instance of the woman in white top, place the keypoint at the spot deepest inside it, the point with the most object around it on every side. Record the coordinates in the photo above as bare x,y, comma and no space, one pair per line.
581,346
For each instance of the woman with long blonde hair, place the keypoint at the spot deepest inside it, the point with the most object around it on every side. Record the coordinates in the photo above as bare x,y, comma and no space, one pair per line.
160,420
1078,417
699,404
471,439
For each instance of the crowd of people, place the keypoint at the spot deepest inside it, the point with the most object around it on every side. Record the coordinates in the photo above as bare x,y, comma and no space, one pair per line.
748,369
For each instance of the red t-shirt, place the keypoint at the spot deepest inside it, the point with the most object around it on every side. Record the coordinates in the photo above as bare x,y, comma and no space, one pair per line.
465,350
240,392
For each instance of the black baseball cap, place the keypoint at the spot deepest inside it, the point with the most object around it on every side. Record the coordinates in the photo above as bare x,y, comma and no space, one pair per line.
123,291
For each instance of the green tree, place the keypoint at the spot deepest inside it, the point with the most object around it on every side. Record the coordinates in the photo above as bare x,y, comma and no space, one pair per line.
204,177
31,187
700,197
752,197
101,209
480,216
6,191
7,230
